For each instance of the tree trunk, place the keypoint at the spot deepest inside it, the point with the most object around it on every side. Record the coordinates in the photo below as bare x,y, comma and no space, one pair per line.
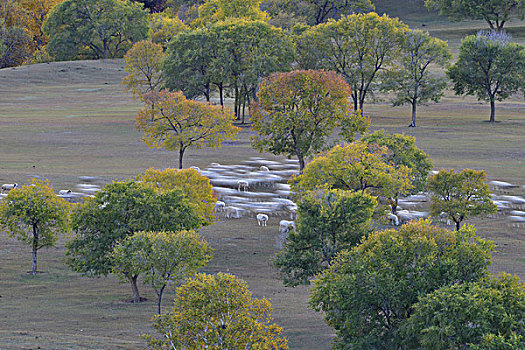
159,302
492,110
458,224
35,249
413,125
243,107
301,162
136,295
221,95
181,154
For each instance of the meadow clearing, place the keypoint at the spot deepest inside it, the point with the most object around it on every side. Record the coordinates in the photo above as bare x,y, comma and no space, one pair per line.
68,119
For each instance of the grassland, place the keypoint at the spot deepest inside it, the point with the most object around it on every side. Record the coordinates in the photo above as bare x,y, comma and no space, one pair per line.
63,120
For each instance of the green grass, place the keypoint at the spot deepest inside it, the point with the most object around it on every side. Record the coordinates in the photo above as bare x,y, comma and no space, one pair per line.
63,120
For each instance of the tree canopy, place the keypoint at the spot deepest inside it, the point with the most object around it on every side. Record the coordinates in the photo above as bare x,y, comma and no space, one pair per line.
402,152
327,223
368,293
360,47
94,28
34,214
195,187
165,259
495,12
117,211
490,67
217,312
471,315
355,167
171,121
296,113
460,195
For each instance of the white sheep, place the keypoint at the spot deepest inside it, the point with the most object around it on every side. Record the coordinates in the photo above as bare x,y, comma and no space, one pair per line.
64,192
242,184
196,168
219,206
393,219
233,212
262,219
8,187
264,168
285,226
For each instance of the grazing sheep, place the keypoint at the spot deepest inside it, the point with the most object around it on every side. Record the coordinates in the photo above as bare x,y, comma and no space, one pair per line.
219,206
285,226
517,220
233,212
64,192
262,219
264,168
8,187
241,184
445,218
393,219
196,168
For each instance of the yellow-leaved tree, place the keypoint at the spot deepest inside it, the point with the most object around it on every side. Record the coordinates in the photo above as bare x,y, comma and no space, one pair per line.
143,65
195,187
217,312
171,121
36,12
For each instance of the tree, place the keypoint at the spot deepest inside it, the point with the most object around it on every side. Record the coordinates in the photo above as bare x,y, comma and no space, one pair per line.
460,195
412,82
490,67
163,27
354,167
360,47
15,46
368,293
153,6
171,121
34,215
470,316
402,152
94,28
213,11
165,258
217,312
328,222
143,65
195,187
117,211
190,64
35,15
296,113
249,51
495,12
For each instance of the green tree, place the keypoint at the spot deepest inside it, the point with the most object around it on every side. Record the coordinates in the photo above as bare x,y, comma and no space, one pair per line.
296,113
34,215
368,293
470,316
360,47
327,223
117,211
402,152
171,121
354,167
217,312
190,65
495,12
94,28
196,188
248,52
143,65
412,82
490,67
460,195
164,258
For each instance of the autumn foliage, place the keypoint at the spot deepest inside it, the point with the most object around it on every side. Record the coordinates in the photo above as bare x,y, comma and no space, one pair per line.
171,121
